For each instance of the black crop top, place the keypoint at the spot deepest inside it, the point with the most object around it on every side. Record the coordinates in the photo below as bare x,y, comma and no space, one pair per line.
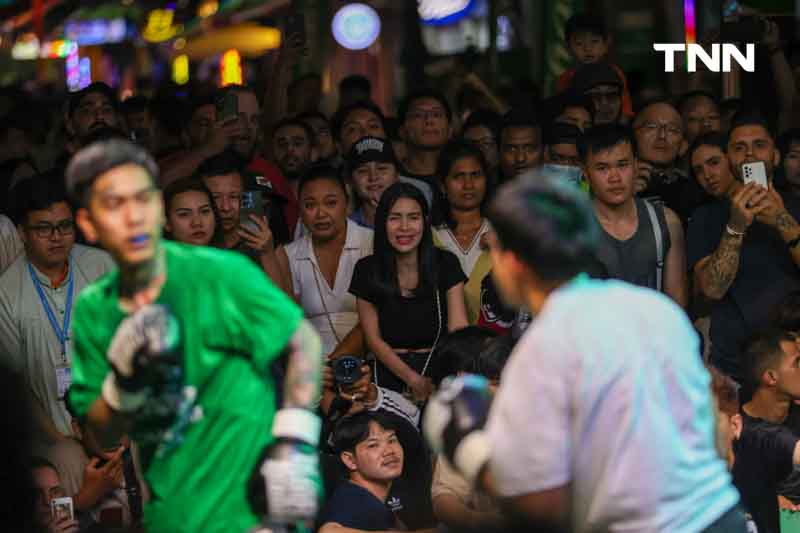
408,322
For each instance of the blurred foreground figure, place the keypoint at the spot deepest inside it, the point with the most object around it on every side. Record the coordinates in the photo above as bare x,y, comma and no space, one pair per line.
176,347
617,402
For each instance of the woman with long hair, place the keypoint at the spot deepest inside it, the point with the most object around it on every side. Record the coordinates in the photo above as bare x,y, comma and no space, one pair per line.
409,294
463,178
192,217
318,267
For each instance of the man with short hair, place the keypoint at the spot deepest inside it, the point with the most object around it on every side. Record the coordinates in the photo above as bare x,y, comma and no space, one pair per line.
225,178
326,148
640,242
743,248
426,126
95,106
188,372
351,123
561,145
368,446
767,452
661,145
521,144
700,114
626,389
37,292
293,149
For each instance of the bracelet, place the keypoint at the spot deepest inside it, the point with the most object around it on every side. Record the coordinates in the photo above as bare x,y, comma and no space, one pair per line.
793,243
732,232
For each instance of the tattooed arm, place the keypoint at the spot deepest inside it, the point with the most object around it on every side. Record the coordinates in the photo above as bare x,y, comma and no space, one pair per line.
303,374
789,230
714,274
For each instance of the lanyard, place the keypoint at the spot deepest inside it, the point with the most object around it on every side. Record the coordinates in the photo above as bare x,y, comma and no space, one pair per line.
61,332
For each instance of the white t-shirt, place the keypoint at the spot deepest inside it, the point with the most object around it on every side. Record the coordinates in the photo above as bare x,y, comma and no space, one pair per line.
606,390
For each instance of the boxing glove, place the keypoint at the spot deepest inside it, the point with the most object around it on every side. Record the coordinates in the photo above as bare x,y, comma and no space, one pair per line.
286,485
454,420
142,342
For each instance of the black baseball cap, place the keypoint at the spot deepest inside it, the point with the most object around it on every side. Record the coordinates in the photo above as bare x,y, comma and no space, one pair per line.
369,149
96,87
594,74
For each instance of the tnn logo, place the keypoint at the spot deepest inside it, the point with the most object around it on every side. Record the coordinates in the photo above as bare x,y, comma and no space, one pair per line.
712,62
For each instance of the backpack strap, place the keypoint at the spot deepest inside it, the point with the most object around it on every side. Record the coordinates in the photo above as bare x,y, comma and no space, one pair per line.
651,211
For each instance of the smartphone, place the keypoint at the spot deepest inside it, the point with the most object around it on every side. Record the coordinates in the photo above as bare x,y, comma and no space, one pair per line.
755,172
252,202
296,25
227,105
61,508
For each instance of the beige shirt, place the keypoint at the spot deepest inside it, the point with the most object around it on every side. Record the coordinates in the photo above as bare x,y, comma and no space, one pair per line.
27,341
10,243
448,481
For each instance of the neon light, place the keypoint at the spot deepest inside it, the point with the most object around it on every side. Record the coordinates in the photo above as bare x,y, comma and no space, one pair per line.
207,9
57,49
99,31
84,72
356,26
73,71
159,26
230,68
26,47
180,70
442,12
689,22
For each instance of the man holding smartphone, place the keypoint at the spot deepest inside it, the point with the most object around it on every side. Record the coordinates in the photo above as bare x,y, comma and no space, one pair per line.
744,249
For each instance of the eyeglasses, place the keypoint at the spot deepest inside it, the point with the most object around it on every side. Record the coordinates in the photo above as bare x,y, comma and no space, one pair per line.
436,114
45,229
652,128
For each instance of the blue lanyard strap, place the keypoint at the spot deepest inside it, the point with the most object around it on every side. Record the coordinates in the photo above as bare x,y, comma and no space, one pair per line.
63,331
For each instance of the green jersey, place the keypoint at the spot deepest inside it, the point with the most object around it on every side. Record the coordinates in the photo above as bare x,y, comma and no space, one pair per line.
202,434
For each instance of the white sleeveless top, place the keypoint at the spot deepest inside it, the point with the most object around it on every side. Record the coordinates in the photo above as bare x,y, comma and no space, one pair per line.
323,305
467,257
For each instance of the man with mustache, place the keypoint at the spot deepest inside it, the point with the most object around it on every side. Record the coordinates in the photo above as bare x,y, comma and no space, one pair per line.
293,149
521,147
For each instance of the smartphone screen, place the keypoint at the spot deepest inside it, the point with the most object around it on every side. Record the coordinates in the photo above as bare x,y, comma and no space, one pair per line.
252,203
61,508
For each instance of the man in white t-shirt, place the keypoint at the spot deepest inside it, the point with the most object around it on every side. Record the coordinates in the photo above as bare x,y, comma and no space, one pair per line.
604,420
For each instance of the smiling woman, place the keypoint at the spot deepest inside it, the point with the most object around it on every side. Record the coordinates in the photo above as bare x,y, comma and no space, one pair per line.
409,294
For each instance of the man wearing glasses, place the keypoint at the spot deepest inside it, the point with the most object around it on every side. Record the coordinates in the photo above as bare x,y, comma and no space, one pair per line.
661,143
36,296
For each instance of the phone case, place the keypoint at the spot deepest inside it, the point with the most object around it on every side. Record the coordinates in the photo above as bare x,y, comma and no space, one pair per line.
61,507
755,172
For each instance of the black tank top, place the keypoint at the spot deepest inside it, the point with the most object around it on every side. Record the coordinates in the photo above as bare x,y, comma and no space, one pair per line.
636,259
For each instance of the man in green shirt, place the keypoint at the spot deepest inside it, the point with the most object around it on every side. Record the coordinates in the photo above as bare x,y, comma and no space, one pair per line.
176,348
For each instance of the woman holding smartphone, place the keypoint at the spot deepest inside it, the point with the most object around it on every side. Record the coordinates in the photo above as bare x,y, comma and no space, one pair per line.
408,294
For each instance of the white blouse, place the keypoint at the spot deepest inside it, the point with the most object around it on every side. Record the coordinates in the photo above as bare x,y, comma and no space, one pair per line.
332,310
467,257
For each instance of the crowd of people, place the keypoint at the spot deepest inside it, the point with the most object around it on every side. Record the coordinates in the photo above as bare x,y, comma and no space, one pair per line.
379,229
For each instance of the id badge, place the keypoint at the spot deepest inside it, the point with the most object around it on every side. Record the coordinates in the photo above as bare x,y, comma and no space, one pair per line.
64,379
